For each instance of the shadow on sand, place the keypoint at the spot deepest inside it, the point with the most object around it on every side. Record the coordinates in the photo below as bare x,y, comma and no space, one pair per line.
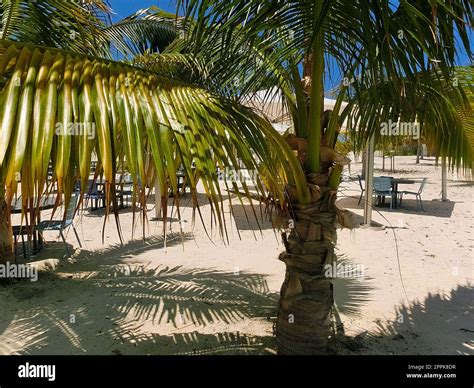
108,302
441,324
431,208
105,298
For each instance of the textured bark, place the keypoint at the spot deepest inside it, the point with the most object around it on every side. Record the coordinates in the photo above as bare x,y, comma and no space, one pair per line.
304,319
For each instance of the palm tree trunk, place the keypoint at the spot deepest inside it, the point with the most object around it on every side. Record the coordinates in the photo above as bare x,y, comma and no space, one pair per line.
419,152
303,325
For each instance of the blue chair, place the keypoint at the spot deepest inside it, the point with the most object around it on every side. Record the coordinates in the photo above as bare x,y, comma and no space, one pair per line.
61,225
94,194
125,188
383,188
417,194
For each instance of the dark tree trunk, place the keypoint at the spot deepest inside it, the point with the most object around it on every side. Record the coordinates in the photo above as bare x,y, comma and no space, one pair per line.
419,152
304,319
6,251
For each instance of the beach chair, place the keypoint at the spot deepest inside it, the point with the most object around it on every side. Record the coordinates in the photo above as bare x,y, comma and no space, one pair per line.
94,194
125,188
417,194
383,188
20,231
62,225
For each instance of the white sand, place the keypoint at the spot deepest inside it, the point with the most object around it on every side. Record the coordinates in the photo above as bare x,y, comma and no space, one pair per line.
203,297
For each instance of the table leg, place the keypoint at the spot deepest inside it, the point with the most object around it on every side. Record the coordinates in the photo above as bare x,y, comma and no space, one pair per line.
395,189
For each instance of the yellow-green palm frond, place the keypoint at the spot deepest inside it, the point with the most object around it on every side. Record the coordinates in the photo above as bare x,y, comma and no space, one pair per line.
48,95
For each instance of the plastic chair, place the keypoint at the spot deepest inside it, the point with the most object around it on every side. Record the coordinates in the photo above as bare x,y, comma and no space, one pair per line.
383,188
417,194
61,225
94,194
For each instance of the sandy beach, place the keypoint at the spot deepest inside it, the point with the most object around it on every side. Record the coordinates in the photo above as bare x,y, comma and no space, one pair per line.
194,295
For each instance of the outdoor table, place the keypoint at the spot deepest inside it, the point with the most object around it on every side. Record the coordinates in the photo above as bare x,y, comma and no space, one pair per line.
400,181
45,203
395,182
119,189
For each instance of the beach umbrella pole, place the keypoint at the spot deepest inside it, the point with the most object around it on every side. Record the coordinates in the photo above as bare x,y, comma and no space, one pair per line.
444,179
369,181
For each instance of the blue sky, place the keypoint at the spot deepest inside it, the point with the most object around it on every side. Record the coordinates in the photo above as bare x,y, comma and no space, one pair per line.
123,8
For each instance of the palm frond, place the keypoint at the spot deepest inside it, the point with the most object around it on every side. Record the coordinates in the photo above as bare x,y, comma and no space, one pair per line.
251,43
442,108
135,114
56,23
184,67
148,30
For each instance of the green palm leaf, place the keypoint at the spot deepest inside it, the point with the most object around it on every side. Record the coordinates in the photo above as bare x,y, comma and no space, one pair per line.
442,108
135,112
147,30
256,45
54,23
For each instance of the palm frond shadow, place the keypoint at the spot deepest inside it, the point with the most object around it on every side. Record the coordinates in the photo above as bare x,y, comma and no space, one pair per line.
432,208
179,295
461,184
252,217
126,250
104,294
117,253
440,324
353,292
195,343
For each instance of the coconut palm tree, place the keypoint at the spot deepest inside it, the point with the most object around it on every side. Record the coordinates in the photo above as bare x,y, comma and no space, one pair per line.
383,53
179,103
